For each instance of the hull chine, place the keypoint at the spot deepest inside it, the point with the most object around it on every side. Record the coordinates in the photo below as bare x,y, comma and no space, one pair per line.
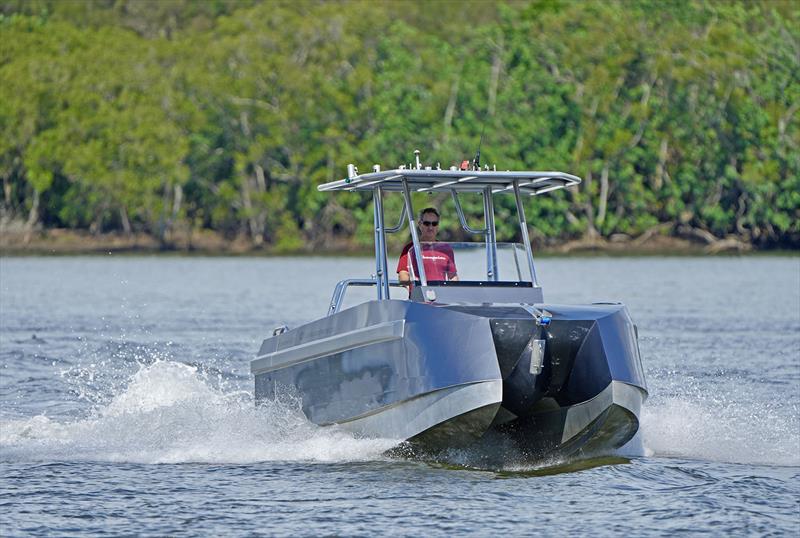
459,414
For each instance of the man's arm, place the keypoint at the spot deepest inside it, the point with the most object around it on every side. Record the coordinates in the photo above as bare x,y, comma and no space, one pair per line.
452,272
403,275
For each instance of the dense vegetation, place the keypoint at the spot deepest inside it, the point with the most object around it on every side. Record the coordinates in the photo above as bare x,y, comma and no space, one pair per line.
170,117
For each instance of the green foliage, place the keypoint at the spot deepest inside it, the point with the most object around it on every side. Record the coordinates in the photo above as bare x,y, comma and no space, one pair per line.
225,115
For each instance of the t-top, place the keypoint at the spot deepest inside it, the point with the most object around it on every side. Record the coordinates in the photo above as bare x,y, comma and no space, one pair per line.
439,260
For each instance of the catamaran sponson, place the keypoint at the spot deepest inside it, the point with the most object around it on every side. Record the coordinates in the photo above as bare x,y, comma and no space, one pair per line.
458,360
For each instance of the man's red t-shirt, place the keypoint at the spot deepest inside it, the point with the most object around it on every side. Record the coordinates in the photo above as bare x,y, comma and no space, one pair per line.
439,260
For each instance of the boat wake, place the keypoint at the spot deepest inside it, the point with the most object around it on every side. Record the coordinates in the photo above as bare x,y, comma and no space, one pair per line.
732,424
170,413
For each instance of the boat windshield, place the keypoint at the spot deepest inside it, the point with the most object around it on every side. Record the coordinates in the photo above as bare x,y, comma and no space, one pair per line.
468,261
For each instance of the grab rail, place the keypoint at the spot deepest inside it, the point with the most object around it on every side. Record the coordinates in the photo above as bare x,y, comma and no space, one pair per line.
341,289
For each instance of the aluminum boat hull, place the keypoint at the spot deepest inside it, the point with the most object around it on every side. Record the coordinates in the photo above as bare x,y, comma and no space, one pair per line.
442,376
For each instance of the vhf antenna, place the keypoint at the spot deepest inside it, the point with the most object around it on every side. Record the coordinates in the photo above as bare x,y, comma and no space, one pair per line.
476,162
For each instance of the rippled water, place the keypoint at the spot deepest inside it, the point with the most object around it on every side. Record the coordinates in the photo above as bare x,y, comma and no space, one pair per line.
126,408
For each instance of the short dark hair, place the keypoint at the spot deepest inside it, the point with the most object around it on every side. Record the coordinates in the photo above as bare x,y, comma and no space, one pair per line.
429,210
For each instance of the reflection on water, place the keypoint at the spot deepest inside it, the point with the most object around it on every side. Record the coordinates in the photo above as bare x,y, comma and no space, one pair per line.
563,467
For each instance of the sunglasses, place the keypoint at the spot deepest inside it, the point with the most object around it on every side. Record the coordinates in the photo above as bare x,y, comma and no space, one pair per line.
430,223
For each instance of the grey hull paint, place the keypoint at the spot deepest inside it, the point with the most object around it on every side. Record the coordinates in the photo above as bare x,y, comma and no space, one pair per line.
364,336
432,374
429,361
581,416
417,415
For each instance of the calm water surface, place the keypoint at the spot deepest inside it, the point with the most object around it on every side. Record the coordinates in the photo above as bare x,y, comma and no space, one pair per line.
126,408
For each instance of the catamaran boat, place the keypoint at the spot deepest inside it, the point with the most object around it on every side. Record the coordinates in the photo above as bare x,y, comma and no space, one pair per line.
446,363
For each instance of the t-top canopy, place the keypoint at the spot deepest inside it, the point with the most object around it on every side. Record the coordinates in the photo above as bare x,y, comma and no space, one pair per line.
428,180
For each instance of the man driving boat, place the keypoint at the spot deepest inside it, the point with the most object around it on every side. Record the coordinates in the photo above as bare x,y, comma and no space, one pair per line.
438,258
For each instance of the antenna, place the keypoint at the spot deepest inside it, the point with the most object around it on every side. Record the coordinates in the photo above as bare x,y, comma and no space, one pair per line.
476,162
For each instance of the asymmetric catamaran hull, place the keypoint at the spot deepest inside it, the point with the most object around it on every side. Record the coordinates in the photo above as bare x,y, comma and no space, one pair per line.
444,376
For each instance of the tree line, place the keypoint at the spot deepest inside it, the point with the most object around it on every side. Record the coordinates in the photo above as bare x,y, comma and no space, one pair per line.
171,117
